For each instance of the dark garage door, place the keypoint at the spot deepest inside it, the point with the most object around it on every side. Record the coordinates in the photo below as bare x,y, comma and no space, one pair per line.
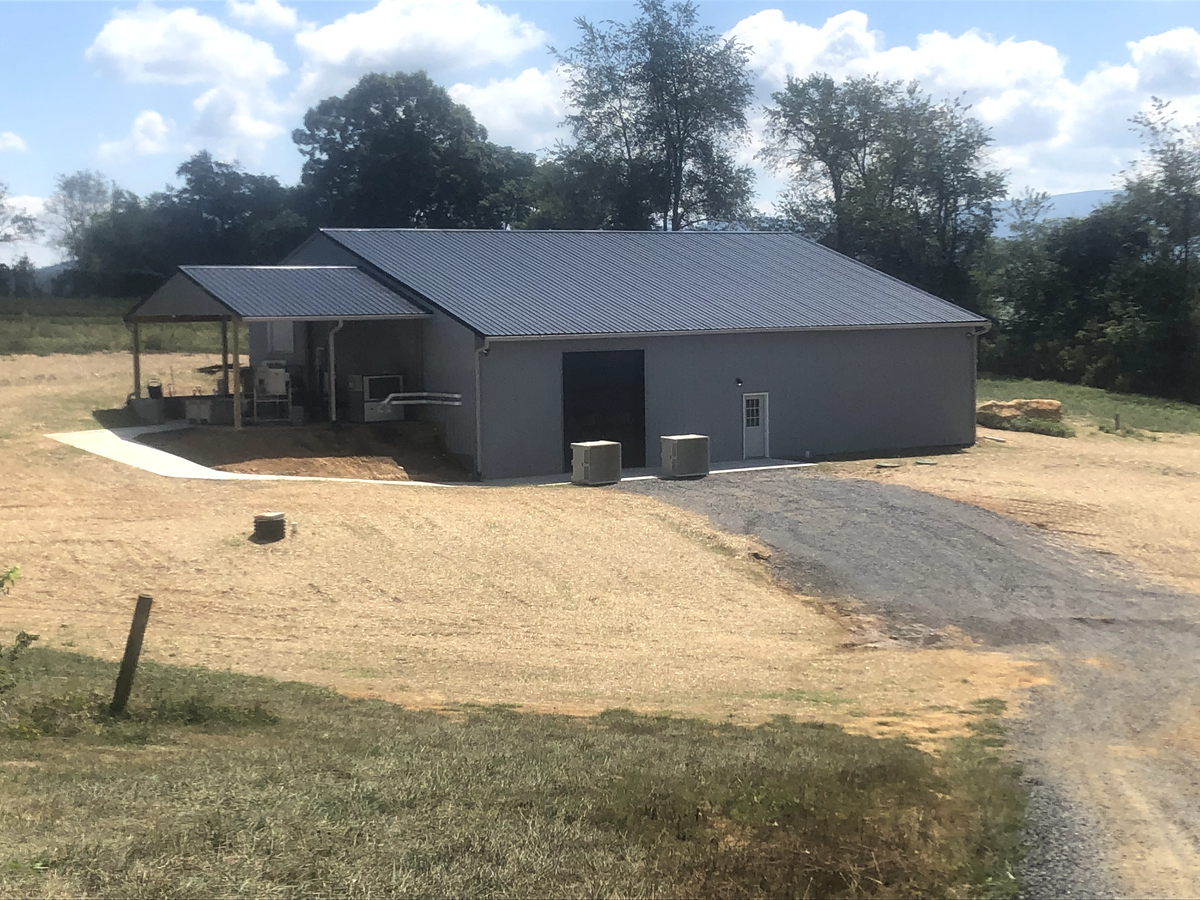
604,399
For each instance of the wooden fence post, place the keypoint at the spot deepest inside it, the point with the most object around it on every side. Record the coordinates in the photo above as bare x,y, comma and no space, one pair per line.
133,650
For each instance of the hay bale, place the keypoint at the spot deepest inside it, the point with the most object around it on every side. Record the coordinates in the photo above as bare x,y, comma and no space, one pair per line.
1049,410
1000,413
996,413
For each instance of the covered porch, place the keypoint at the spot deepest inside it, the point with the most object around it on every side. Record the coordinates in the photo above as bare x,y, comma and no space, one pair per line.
325,343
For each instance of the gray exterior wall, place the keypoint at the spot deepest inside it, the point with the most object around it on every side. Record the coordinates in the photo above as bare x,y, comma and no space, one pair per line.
830,392
450,367
259,349
319,250
438,353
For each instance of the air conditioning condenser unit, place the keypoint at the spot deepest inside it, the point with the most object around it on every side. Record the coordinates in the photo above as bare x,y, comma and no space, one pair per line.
684,455
595,462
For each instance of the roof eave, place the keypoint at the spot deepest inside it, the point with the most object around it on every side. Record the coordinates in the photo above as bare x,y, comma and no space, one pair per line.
974,323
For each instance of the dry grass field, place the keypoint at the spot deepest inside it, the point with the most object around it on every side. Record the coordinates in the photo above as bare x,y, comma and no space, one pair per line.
550,598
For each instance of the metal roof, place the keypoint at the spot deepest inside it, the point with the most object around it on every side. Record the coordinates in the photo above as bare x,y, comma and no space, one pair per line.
543,283
300,292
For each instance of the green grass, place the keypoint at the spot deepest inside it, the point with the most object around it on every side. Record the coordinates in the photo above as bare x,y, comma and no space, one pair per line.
46,325
1096,406
219,784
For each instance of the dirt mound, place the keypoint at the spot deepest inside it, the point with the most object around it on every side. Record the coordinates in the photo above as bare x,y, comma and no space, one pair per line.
998,413
385,451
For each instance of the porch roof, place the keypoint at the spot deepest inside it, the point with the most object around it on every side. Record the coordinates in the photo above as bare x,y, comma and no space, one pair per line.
263,293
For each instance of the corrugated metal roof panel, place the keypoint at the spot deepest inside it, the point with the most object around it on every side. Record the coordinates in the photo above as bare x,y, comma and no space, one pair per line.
535,283
300,292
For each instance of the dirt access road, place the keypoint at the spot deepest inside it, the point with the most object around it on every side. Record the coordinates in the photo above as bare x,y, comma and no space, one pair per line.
1111,745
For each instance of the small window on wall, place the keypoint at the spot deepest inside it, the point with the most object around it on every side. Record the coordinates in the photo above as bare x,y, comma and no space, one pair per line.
281,337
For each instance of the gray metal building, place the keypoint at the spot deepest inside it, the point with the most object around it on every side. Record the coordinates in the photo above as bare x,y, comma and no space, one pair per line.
772,345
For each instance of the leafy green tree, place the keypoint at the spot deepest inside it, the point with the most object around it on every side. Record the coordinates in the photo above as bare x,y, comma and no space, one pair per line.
1164,187
397,151
576,190
214,216
1111,299
660,104
883,173
218,215
24,278
14,225
77,200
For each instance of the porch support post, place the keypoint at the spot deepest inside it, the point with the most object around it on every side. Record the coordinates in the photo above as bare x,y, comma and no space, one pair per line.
225,354
137,361
333,369
237,375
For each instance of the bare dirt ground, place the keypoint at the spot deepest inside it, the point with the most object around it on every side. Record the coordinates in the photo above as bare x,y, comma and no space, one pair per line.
1114,743
383,451
553,598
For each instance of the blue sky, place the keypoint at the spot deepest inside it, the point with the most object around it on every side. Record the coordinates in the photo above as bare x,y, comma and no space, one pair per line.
133,88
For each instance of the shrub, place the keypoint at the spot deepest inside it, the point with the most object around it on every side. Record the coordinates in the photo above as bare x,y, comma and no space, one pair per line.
1040,426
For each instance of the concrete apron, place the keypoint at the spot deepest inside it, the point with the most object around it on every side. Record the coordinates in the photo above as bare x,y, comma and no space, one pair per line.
120,445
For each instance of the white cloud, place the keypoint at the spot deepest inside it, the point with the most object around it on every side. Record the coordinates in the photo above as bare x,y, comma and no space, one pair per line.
264,14
149,135
150,45
27,204
410,34
1168,62
11,141
227,121
236,113
1054,133
522,112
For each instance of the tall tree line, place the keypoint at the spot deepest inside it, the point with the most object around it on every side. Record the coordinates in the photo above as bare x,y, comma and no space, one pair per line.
1111,299
659,107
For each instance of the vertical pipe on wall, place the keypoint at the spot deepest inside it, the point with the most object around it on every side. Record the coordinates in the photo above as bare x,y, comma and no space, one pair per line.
333,370
137,361
225,355
237,375
480,353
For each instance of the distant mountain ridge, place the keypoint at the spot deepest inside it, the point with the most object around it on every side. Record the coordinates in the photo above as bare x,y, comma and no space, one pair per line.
1062,206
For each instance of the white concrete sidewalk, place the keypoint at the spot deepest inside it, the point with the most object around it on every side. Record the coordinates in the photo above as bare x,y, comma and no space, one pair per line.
120,445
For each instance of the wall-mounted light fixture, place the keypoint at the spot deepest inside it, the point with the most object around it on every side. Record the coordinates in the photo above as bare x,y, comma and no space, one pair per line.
738,382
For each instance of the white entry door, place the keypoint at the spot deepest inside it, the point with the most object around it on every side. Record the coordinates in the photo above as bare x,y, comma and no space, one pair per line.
755,433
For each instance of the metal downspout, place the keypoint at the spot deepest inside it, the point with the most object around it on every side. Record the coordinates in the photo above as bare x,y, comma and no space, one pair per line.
333,370
480,352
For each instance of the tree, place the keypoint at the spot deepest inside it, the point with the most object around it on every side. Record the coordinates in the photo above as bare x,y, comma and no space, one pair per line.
661,103
77,200
1165,187
223,215
576,190
14,225
883,173
1111,299
218,215
23,275
396,150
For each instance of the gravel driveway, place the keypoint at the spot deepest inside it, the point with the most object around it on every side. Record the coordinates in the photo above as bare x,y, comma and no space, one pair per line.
1115,802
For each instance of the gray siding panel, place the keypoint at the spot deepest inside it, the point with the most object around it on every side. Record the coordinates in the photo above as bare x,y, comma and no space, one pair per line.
450,368
830,392
381,348
319,250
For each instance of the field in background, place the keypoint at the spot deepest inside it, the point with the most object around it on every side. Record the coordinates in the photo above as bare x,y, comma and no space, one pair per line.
45,325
